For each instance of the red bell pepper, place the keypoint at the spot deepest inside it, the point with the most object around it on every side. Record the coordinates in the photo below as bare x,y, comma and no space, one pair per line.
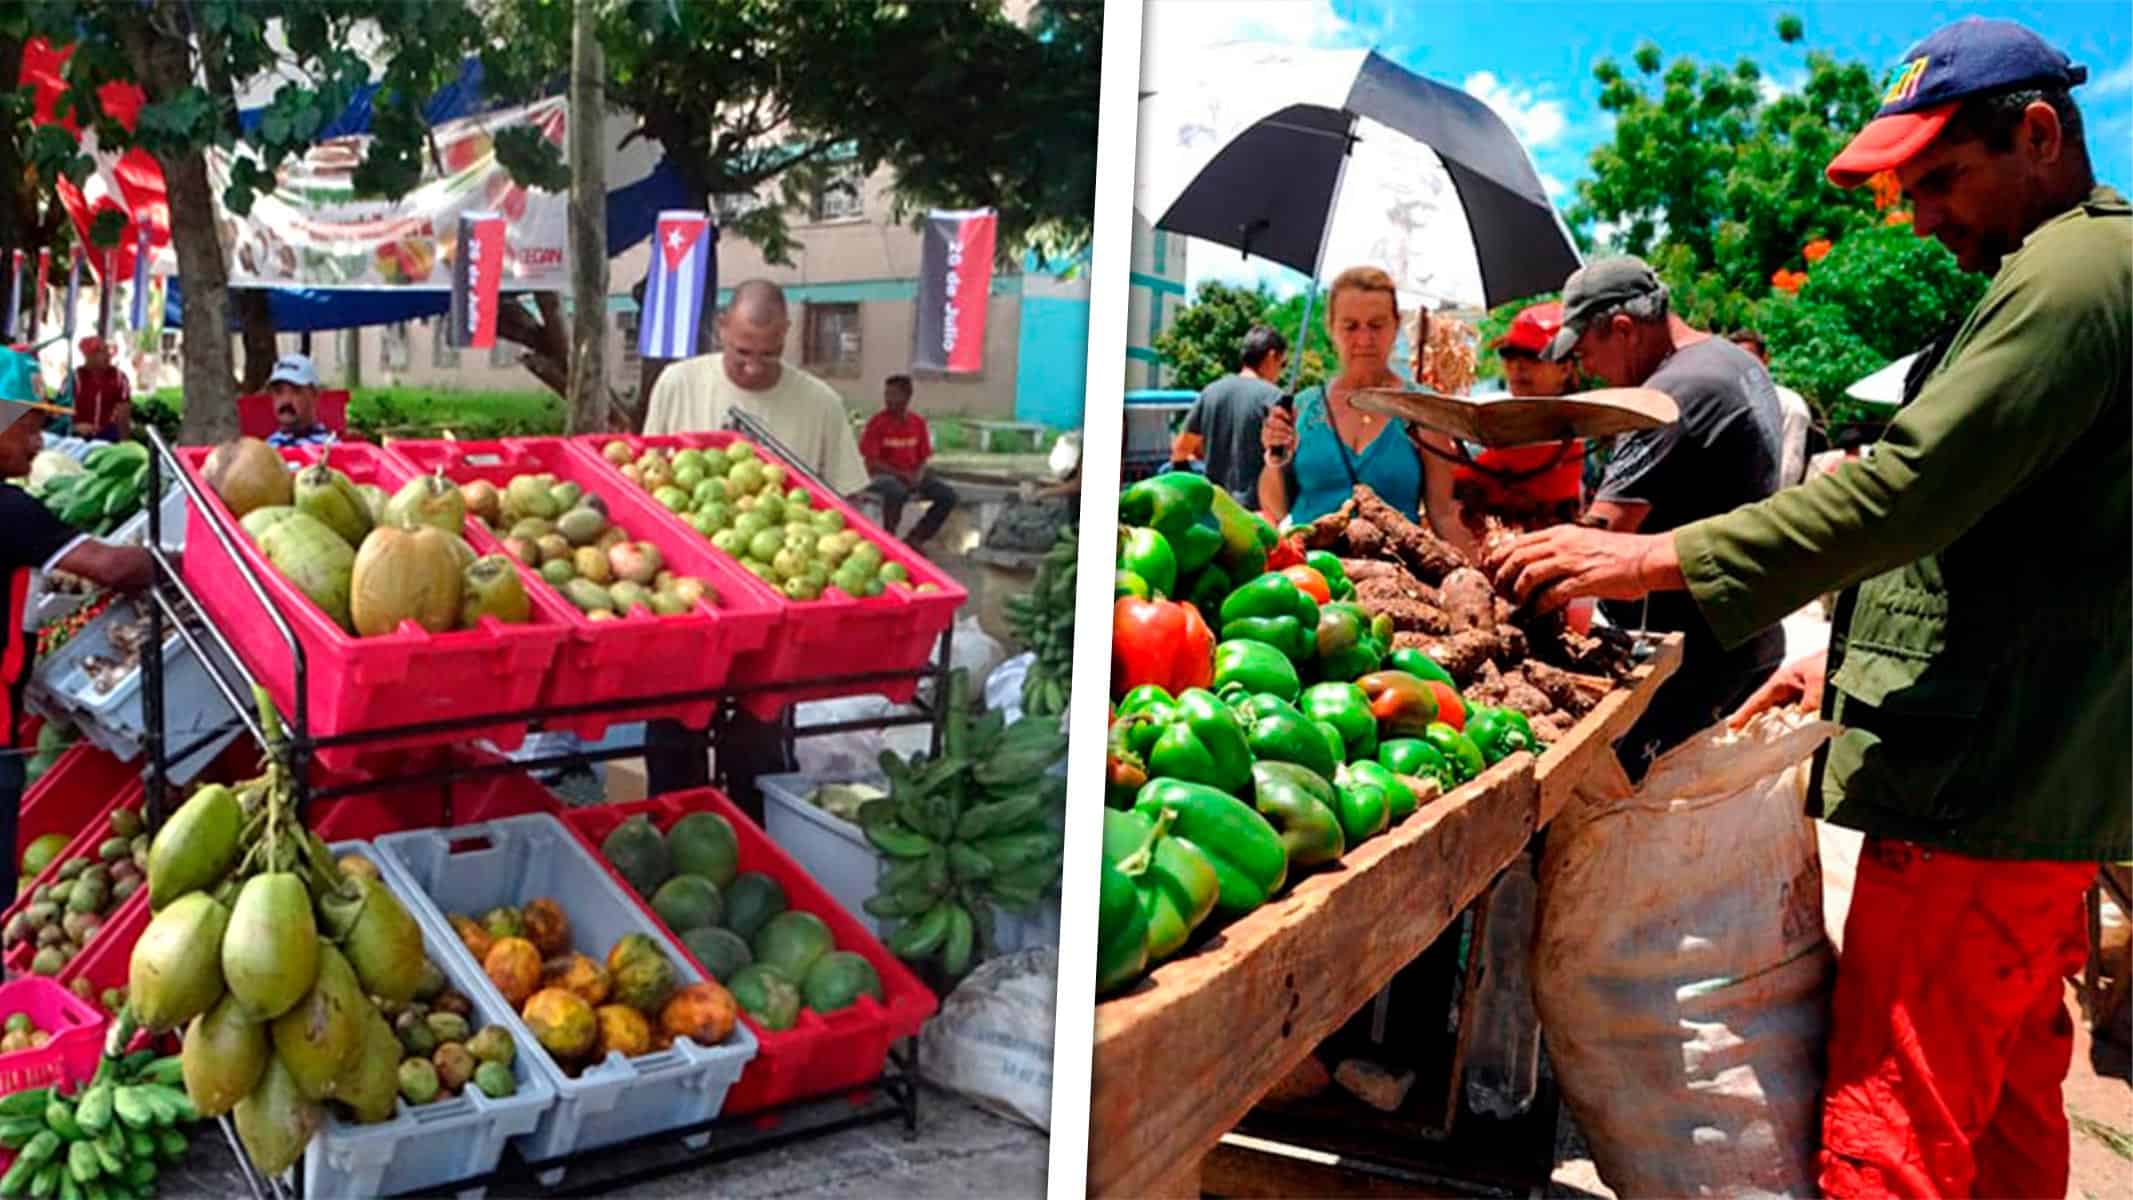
1287,552
1403,705
1451,706
1309,582
1162,642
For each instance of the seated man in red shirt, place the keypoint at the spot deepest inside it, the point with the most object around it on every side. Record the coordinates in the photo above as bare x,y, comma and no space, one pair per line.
896,447
103,400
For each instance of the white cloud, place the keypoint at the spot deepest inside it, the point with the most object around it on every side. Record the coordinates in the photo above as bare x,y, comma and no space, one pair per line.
1537,122
1210,260
1771,89
1173,32
2119,79
1557,189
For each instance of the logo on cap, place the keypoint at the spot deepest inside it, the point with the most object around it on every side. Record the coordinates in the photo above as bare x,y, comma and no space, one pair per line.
1906,83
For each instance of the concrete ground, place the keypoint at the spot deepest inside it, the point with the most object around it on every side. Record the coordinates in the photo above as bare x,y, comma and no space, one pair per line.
960,1151
2098,1089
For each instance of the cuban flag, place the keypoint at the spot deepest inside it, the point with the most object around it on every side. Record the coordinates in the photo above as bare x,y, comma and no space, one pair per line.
684,270
137,315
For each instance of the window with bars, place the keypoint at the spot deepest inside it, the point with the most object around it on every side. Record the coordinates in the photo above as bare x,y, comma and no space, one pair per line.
832,344
840,196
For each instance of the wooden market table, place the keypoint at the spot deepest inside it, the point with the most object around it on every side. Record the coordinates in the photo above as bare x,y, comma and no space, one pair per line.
1187,1053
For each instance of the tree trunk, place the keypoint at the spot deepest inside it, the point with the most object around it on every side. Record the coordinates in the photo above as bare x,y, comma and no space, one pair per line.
588,412
260,347
163,64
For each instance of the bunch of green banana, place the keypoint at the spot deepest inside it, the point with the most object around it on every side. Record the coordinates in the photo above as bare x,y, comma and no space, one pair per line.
106,494
1043,620
966,832
105,1142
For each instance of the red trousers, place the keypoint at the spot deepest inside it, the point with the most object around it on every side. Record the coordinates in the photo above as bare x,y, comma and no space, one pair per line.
1949,1035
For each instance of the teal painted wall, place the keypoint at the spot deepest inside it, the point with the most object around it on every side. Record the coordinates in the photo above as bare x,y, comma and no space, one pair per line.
1052,361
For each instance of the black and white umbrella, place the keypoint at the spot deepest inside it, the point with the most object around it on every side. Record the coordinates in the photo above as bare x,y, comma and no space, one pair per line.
1326,159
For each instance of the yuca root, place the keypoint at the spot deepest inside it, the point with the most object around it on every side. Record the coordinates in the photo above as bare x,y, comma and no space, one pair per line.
1468,599
1573,693
1407,604
1430,557
1461,654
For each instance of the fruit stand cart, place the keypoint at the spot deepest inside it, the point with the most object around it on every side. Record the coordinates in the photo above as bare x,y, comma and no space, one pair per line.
457,781
1183,1059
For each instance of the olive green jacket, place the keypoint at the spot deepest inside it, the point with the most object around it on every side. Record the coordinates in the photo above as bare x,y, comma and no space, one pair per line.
1982,661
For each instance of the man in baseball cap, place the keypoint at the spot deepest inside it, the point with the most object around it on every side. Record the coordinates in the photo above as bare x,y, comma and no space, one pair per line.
103,398
294,388
1980,671
1520,347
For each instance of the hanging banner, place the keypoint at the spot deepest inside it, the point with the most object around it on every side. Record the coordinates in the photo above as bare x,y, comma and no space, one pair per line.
137,315
954,287
684,269
477,278
314,231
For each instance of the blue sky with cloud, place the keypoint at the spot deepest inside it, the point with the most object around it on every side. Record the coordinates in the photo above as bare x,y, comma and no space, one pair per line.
1532,61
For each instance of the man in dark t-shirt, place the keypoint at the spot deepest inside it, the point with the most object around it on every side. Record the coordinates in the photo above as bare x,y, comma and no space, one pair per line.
1723,452
32,540
1223,426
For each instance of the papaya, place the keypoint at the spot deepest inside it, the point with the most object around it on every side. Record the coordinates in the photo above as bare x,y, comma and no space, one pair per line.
270,954
703,843
688,902
248,474
753,899
791,942
623,1030
767,995
430,500
196,847
331,498
545,925
373,1080
175,973
276,1121
702,1012
402,575
318,1039
562,1022
579,974
720,952
224,1055
385,946
629,946
638,854
837,980
316,560
514,966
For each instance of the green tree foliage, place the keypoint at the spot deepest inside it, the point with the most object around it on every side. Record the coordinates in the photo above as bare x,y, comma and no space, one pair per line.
1203,339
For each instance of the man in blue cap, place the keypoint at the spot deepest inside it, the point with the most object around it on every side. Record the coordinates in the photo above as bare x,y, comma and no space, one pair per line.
1981,662
294,389
35,540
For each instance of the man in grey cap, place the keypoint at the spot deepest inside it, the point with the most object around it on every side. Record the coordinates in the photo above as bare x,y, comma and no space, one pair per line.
1723,452
294,388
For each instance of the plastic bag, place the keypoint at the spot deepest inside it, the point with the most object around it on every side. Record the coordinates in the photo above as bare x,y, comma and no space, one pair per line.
857,752
1003,688
1681,971
992,1040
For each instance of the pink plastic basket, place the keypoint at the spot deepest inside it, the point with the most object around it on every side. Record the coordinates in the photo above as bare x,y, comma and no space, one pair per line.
834,635
640,654
76,1029
356,684
824,1053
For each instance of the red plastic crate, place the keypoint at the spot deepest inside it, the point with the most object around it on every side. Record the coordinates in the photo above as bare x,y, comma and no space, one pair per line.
836,634
363,816
357,684
640,654
86,839
823,1054
107,962
75,1045
83,778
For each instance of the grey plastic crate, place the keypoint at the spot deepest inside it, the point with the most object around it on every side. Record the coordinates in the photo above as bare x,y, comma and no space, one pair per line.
474,868
427,1148
135,531
826,846
114,720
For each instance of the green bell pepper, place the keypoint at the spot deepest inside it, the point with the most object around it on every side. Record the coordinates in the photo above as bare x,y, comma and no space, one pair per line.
1176,884
1459,751
1169,503
1250,864
1255,667
1336,745
1364,805
1344,645
1272,609
1128,583
1246,537
1415,662
1413,756
1499,733
1205,589
1301,806
1125,769
1278,732
1149,555
1202,744
1145,712
1121,929
1343,706
1196,547
1400,800
1328,566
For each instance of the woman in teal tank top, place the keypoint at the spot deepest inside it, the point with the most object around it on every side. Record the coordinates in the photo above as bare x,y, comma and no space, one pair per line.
1317,455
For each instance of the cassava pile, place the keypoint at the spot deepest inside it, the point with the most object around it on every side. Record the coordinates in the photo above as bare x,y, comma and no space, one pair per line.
1444,605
